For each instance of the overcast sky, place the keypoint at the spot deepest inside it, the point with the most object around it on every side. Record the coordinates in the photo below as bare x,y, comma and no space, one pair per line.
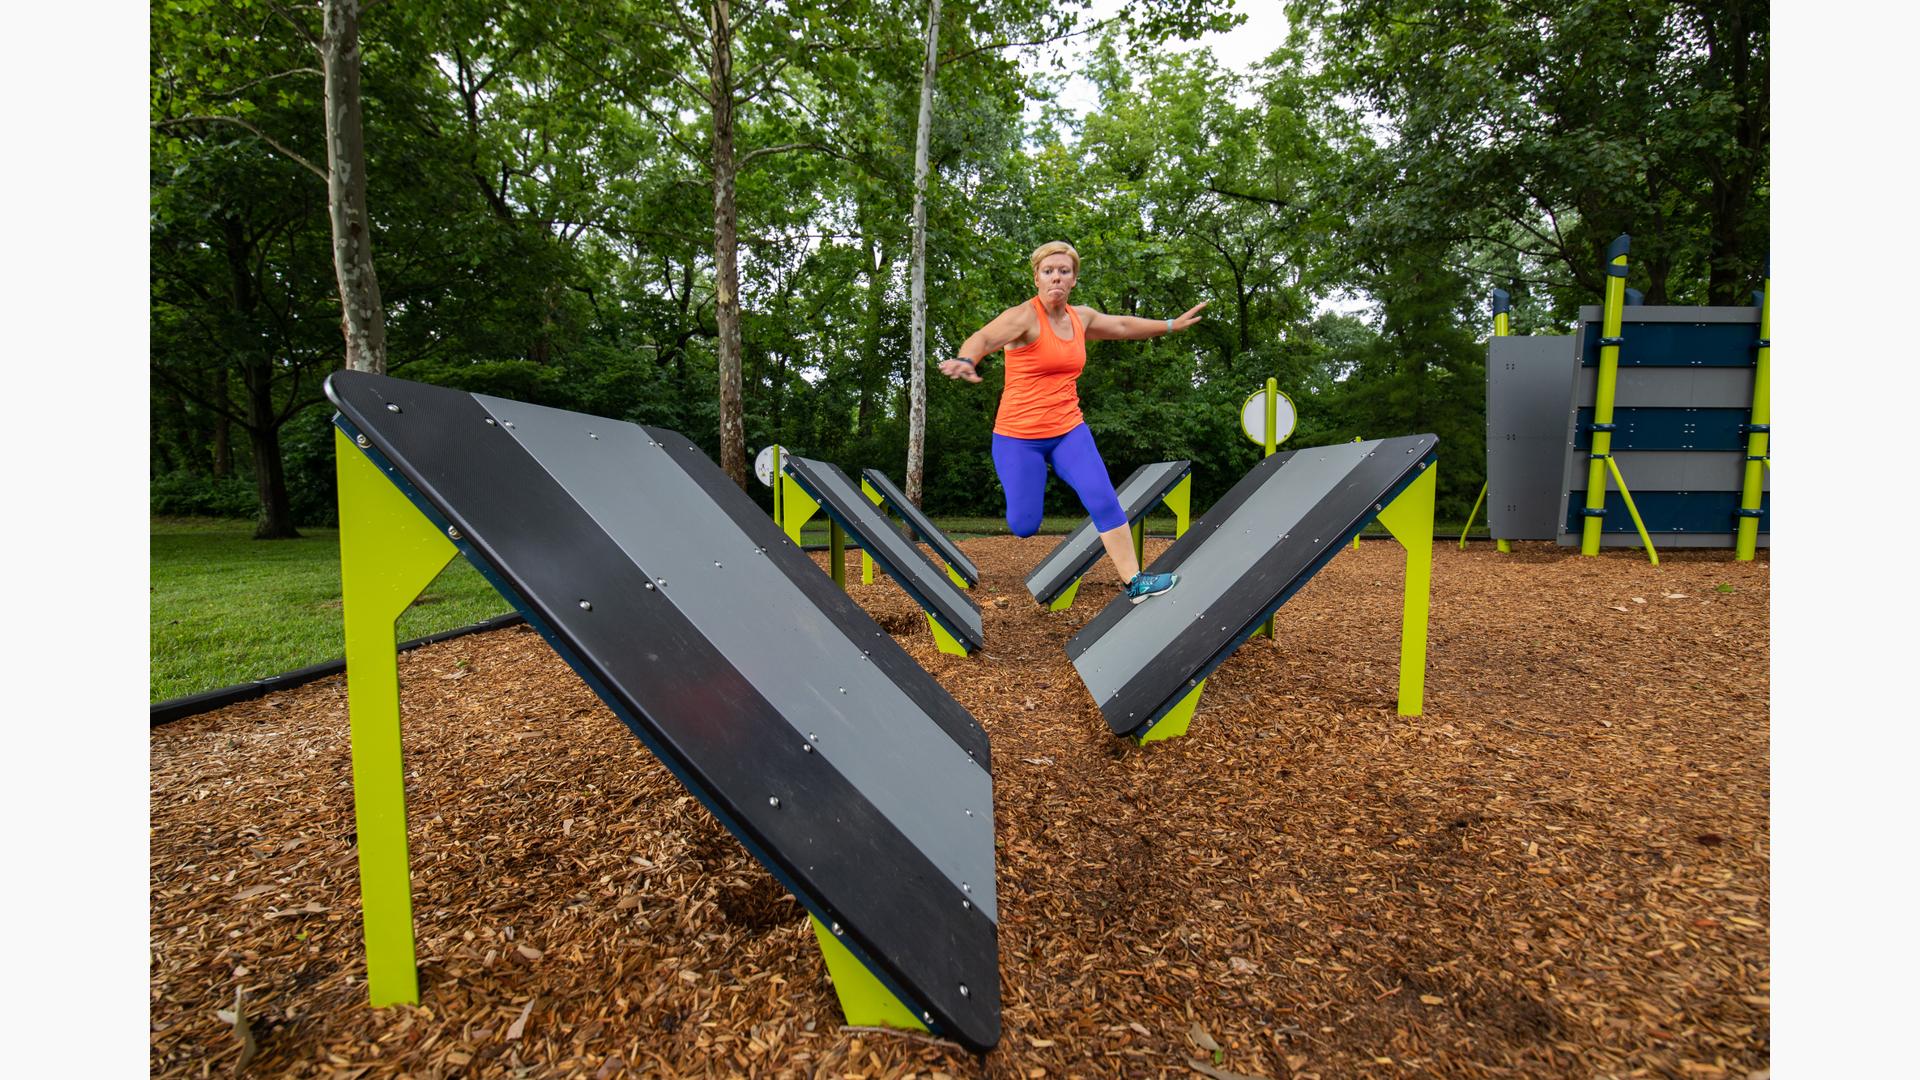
1249,43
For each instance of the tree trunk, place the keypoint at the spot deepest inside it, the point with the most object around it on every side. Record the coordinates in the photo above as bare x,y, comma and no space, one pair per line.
917,350
362,321
872,369
263,435
726,246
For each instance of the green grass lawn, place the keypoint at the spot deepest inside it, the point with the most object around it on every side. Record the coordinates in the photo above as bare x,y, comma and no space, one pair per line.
228,609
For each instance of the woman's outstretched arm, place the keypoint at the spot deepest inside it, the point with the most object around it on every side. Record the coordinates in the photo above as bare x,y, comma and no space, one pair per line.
1128,328
1011,325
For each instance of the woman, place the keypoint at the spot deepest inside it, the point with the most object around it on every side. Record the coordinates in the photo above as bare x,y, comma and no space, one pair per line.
1039,422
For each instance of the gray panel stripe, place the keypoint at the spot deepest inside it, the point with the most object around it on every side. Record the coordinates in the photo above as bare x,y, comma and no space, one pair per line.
1678,388
1217,564
867,727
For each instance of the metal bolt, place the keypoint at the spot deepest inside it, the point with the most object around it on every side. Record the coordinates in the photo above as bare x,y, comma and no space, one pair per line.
717,566
969,813
808,747
836,930
509,424
966,905
773,801
649,585
362,442
662,582
843,689
964,992
966,888
490,422
591,435
391,407
811,737
453,533
586,605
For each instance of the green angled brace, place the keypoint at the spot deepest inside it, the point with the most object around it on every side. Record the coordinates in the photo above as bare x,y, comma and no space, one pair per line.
796,507
1409,517
389,552
1482,497
1065,599
1140,542
864,1000
1632,510
946,642
1174,723
954,576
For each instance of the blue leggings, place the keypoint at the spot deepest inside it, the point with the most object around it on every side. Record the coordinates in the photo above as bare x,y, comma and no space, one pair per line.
1022,465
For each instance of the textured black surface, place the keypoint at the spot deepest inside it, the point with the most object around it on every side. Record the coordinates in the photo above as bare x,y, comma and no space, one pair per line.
905,563
731,746
1081,548
1203,643
898,502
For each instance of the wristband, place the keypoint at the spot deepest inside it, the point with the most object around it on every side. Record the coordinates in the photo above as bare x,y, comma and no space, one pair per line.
1169,326
974,364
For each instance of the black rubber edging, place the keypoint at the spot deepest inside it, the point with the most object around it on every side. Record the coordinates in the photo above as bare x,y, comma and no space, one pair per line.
165,712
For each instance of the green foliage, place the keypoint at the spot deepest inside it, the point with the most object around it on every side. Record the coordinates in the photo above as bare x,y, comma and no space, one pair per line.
542,192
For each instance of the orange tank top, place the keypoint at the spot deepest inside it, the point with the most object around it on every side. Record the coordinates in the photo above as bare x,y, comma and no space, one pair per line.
1042,398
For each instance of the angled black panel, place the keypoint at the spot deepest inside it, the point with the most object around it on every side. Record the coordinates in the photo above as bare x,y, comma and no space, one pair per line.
800,724
1272,532
922,526
905,563
1081,548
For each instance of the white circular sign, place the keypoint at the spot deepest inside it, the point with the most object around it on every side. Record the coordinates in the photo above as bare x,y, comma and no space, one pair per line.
1253,418
763,465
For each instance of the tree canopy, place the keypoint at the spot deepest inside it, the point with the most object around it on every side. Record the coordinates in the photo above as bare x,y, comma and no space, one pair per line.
619,207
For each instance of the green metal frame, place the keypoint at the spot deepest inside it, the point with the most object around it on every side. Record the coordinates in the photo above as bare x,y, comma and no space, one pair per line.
1409,518
1747,536
866,560
1502,325
389,552
1600,457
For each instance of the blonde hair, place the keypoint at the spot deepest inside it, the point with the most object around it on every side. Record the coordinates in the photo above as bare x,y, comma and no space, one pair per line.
1055,247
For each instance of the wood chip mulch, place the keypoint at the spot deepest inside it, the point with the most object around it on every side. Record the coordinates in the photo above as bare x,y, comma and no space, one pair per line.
1561,869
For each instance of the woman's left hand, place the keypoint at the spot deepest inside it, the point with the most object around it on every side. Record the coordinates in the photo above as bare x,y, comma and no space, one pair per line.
1191,317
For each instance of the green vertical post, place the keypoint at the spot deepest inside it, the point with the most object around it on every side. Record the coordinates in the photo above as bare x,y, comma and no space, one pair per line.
1747,536
389,551
866,560
1273,444
1602,446
1502,326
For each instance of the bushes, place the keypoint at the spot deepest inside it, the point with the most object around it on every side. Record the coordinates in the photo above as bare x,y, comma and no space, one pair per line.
184,494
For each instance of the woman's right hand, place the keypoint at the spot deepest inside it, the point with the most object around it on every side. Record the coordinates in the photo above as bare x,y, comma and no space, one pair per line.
959,369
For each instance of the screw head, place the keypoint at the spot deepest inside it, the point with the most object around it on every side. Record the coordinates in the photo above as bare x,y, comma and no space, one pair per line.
964,992
586,605
773,801
362,441
453,532
391,407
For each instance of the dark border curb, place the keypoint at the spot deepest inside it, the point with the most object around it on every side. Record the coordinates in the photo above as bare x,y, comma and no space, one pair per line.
165,712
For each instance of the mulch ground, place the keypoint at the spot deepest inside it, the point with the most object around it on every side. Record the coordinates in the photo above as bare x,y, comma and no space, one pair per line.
1561,869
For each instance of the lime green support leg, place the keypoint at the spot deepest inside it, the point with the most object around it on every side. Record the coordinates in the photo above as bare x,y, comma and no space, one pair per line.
944,641
796,508
954,576
837,553
1503,547
866,560
1605,382
1746,538
1174,724
1409,517
864,1000
1065,599
389,551
1180,501
1140,542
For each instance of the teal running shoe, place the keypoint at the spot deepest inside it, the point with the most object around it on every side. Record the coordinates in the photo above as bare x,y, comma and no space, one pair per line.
1144,585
